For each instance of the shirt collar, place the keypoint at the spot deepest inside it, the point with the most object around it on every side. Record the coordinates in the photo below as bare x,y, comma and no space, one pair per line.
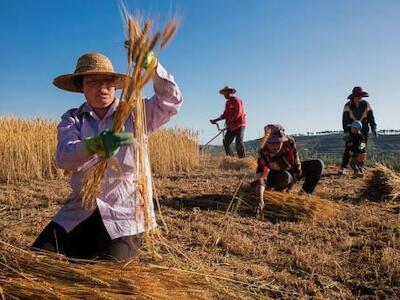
86,108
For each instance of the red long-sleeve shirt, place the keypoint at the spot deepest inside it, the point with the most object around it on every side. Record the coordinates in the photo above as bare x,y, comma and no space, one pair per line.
234,114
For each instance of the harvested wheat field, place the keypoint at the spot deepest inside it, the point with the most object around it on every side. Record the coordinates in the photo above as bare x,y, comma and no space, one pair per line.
336,245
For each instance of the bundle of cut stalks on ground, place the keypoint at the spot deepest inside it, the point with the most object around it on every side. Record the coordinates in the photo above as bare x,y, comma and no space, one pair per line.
239,164
292,206
382,185
29,275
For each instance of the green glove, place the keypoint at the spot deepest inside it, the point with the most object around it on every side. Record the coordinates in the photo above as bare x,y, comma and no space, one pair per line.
107,143
150,59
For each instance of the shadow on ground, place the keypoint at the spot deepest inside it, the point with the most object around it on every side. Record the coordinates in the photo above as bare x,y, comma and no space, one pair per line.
216,202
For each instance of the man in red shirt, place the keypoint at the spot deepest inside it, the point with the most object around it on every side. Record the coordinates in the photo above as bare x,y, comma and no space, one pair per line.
235,120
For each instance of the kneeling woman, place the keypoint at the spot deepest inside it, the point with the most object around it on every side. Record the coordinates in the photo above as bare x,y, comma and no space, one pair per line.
279,166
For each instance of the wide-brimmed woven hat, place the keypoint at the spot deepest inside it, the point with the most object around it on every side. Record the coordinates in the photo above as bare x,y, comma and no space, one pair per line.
358,92
90,64
226,89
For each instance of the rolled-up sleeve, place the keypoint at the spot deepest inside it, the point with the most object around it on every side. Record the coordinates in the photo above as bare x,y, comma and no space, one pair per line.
166,101
71,152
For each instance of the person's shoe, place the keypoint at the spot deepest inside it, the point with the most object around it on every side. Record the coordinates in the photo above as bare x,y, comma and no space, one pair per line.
342,171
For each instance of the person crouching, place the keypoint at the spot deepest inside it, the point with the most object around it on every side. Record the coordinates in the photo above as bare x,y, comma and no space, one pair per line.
355,142
279,166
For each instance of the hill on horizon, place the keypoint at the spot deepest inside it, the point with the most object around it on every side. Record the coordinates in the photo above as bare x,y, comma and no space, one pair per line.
329,147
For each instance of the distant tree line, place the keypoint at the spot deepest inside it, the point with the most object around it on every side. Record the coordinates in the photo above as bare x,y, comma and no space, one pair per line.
327,132
389,131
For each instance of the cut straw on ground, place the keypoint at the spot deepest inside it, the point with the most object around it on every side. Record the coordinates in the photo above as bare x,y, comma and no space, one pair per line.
291,206
26,274
239,164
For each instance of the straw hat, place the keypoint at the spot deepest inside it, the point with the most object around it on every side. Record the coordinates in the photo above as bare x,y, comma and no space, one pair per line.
227,89
89,64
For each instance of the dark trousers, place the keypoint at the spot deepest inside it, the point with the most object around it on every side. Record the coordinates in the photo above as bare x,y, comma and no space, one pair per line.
311,172
88,240
238,136
346,154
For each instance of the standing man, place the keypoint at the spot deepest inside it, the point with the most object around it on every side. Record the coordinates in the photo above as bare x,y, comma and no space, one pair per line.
356,109
235,121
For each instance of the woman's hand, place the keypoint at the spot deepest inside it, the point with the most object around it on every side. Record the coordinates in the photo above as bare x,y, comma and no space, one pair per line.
107,143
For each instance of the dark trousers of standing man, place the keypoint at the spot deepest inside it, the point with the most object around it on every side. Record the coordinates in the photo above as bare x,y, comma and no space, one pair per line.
346,154
238,136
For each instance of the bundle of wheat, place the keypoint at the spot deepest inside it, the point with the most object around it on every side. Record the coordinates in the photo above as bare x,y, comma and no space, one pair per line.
299,207
291,206
382,185
27,275
242,164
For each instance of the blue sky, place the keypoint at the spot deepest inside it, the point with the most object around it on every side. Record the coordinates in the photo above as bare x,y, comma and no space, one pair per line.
292,62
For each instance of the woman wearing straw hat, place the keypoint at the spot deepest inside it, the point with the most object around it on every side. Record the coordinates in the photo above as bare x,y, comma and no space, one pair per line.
235,121
356,109
110,230
279,165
